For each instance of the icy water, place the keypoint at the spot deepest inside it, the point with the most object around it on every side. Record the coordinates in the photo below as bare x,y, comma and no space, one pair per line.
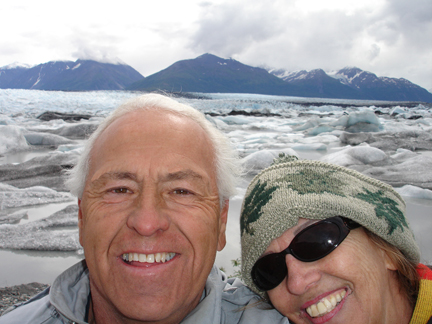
397,150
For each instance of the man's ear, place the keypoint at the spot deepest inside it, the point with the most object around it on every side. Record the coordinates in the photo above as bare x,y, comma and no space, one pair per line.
222,226
80,222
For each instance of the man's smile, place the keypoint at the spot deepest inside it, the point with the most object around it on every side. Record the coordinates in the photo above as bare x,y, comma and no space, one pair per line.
159,257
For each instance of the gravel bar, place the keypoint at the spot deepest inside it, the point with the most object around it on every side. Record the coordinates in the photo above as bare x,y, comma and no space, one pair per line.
17,294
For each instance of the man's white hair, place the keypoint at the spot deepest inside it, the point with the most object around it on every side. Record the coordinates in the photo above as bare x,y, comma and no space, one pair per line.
227,164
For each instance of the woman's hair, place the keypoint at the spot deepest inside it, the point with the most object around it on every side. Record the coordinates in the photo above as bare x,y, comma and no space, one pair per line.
226,159
406,273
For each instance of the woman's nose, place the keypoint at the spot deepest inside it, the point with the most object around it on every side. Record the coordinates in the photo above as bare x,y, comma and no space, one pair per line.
301,275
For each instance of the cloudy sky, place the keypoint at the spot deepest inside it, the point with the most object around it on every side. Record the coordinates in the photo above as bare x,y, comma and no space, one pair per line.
387,37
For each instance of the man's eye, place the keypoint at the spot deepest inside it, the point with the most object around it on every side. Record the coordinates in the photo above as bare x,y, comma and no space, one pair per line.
181,192
120,190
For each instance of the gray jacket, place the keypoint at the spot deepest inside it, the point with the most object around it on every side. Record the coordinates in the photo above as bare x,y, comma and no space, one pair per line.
224,301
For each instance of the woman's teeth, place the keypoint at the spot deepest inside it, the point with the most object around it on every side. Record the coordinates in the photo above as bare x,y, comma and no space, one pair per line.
149,258
325,305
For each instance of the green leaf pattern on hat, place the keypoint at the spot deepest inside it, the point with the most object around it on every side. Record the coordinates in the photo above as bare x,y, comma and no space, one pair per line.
314,182
254,202
385,208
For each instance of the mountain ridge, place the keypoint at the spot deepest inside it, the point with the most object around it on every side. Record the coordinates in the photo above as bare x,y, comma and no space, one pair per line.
362,84
81,75
209,73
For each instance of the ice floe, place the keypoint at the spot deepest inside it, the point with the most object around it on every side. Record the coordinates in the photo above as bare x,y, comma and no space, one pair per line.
12,197
58,232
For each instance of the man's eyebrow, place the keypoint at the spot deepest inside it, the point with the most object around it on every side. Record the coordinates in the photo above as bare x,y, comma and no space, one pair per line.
181,175
114,176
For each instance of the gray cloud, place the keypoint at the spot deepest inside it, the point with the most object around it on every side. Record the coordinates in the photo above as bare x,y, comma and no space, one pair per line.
389,40
95,45
228,29
9,48
411,20
276,33
374,51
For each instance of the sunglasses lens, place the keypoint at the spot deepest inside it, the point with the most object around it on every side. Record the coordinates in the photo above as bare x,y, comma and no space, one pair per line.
316,242
269,271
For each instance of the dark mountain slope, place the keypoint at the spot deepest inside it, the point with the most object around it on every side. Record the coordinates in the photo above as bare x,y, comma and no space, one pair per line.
209,73
81,75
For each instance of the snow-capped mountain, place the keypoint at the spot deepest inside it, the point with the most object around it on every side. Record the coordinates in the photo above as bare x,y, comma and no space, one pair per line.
381,87
69,75
15,65
361,84
209,73
316,83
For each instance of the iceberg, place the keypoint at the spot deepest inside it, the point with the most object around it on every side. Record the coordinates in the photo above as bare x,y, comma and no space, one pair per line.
35,138
365,116
414,192
58,232
47,170
12,197
413,171
12,139
350,156
259,160
12,218
81,130
320,129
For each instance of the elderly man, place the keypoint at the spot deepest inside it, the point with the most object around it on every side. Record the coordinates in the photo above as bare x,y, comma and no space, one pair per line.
153,185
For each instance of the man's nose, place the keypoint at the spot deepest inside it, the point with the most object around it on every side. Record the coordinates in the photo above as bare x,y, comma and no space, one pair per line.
301,275
148,215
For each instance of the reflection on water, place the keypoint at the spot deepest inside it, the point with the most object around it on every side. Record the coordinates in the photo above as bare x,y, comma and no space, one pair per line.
419,214
19,267
20,157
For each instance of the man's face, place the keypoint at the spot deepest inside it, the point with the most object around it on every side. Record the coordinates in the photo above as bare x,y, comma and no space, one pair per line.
151,196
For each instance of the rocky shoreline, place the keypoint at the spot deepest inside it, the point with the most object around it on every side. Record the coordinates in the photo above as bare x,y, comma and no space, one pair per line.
16,294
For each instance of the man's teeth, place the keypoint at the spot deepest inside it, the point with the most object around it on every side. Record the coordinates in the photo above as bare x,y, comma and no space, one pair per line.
149,258
325,305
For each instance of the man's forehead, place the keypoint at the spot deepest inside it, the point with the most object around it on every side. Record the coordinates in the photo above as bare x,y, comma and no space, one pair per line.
149,116
150,121
153,138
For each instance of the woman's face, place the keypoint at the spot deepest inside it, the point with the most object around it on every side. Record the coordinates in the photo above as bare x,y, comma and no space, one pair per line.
353,284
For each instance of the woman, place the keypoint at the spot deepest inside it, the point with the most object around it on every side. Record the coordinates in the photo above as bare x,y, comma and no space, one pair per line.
326,244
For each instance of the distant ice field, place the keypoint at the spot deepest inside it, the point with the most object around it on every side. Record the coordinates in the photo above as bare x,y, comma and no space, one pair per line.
38,233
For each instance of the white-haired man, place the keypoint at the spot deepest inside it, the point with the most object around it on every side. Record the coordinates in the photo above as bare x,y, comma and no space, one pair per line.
153,186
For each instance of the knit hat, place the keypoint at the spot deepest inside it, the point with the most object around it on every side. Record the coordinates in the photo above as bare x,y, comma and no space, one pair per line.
291,189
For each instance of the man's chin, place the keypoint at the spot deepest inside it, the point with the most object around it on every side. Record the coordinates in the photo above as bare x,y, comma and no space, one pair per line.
148,300
153,308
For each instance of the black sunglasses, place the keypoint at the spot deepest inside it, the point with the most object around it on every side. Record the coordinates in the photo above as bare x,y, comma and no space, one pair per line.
311,244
